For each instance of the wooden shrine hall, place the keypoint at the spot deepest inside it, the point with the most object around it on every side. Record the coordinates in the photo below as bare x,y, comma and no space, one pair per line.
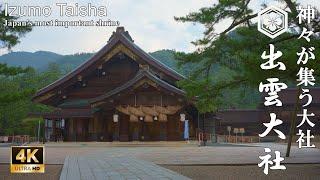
120,94
251,120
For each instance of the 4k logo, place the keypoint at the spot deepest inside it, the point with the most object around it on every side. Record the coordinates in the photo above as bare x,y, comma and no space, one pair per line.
27,159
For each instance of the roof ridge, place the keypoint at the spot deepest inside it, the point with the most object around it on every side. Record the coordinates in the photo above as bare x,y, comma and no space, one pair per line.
121,31
153,58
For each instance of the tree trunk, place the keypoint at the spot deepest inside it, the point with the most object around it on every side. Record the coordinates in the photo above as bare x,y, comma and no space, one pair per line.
293,121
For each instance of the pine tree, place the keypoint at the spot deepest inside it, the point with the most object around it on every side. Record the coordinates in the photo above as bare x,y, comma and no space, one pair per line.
238,48
9,37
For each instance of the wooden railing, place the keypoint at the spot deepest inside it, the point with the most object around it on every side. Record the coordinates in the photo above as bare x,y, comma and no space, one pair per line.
18,139
203,138
238,139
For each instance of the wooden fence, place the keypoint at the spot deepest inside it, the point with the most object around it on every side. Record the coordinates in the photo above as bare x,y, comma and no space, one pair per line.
18,139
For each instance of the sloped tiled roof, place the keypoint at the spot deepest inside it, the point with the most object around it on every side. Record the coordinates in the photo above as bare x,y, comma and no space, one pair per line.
120,36
140,75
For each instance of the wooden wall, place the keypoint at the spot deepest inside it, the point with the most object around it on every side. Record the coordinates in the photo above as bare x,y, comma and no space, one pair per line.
102,128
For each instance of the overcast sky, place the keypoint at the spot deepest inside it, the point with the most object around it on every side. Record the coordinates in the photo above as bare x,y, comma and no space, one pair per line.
150,23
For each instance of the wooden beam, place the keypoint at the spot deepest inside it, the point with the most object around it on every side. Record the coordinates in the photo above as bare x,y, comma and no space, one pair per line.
120,48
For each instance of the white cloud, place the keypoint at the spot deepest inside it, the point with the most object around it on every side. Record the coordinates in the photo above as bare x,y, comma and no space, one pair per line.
149,22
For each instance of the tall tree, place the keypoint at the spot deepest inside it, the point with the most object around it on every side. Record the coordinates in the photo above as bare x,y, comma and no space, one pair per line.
239,48
9,37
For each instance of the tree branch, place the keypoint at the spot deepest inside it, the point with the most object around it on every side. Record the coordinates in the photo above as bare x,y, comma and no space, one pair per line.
234,24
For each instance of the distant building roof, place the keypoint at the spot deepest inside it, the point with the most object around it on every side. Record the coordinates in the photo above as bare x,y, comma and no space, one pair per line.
240,115
289,96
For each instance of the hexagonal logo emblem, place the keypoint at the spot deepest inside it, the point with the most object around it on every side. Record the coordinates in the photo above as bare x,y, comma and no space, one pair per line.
272,21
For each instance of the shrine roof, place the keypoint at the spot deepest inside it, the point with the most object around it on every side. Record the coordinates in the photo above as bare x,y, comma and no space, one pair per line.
240,115
120,36
79,103
140,75
68,113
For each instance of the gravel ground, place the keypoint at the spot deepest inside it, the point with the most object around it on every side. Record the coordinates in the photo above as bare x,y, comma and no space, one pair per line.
248,172
52,172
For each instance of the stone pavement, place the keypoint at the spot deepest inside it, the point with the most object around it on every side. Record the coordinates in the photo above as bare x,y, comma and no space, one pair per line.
56,153
142,160
96,167
217,155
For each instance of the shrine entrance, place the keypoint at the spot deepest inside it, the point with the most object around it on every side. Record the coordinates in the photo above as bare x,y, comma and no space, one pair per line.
148,123
141,130
147,131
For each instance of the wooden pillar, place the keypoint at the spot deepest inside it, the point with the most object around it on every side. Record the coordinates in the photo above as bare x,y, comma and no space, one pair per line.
163,131
124,128
154,131
134,131
97,126
44,130
111,135
174,128
71,129
54,133
91,130
116,130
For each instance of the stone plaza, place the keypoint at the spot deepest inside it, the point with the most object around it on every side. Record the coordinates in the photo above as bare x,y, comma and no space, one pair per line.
93,160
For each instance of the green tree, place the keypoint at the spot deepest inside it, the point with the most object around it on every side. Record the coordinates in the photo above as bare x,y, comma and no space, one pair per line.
238,48
9,36
11,93
17,85
16,105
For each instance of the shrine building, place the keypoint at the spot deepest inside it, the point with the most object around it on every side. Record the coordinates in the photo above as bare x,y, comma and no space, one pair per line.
251,120
121,93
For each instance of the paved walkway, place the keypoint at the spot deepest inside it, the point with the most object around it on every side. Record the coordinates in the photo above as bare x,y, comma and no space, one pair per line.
96,167
113,161
222,154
